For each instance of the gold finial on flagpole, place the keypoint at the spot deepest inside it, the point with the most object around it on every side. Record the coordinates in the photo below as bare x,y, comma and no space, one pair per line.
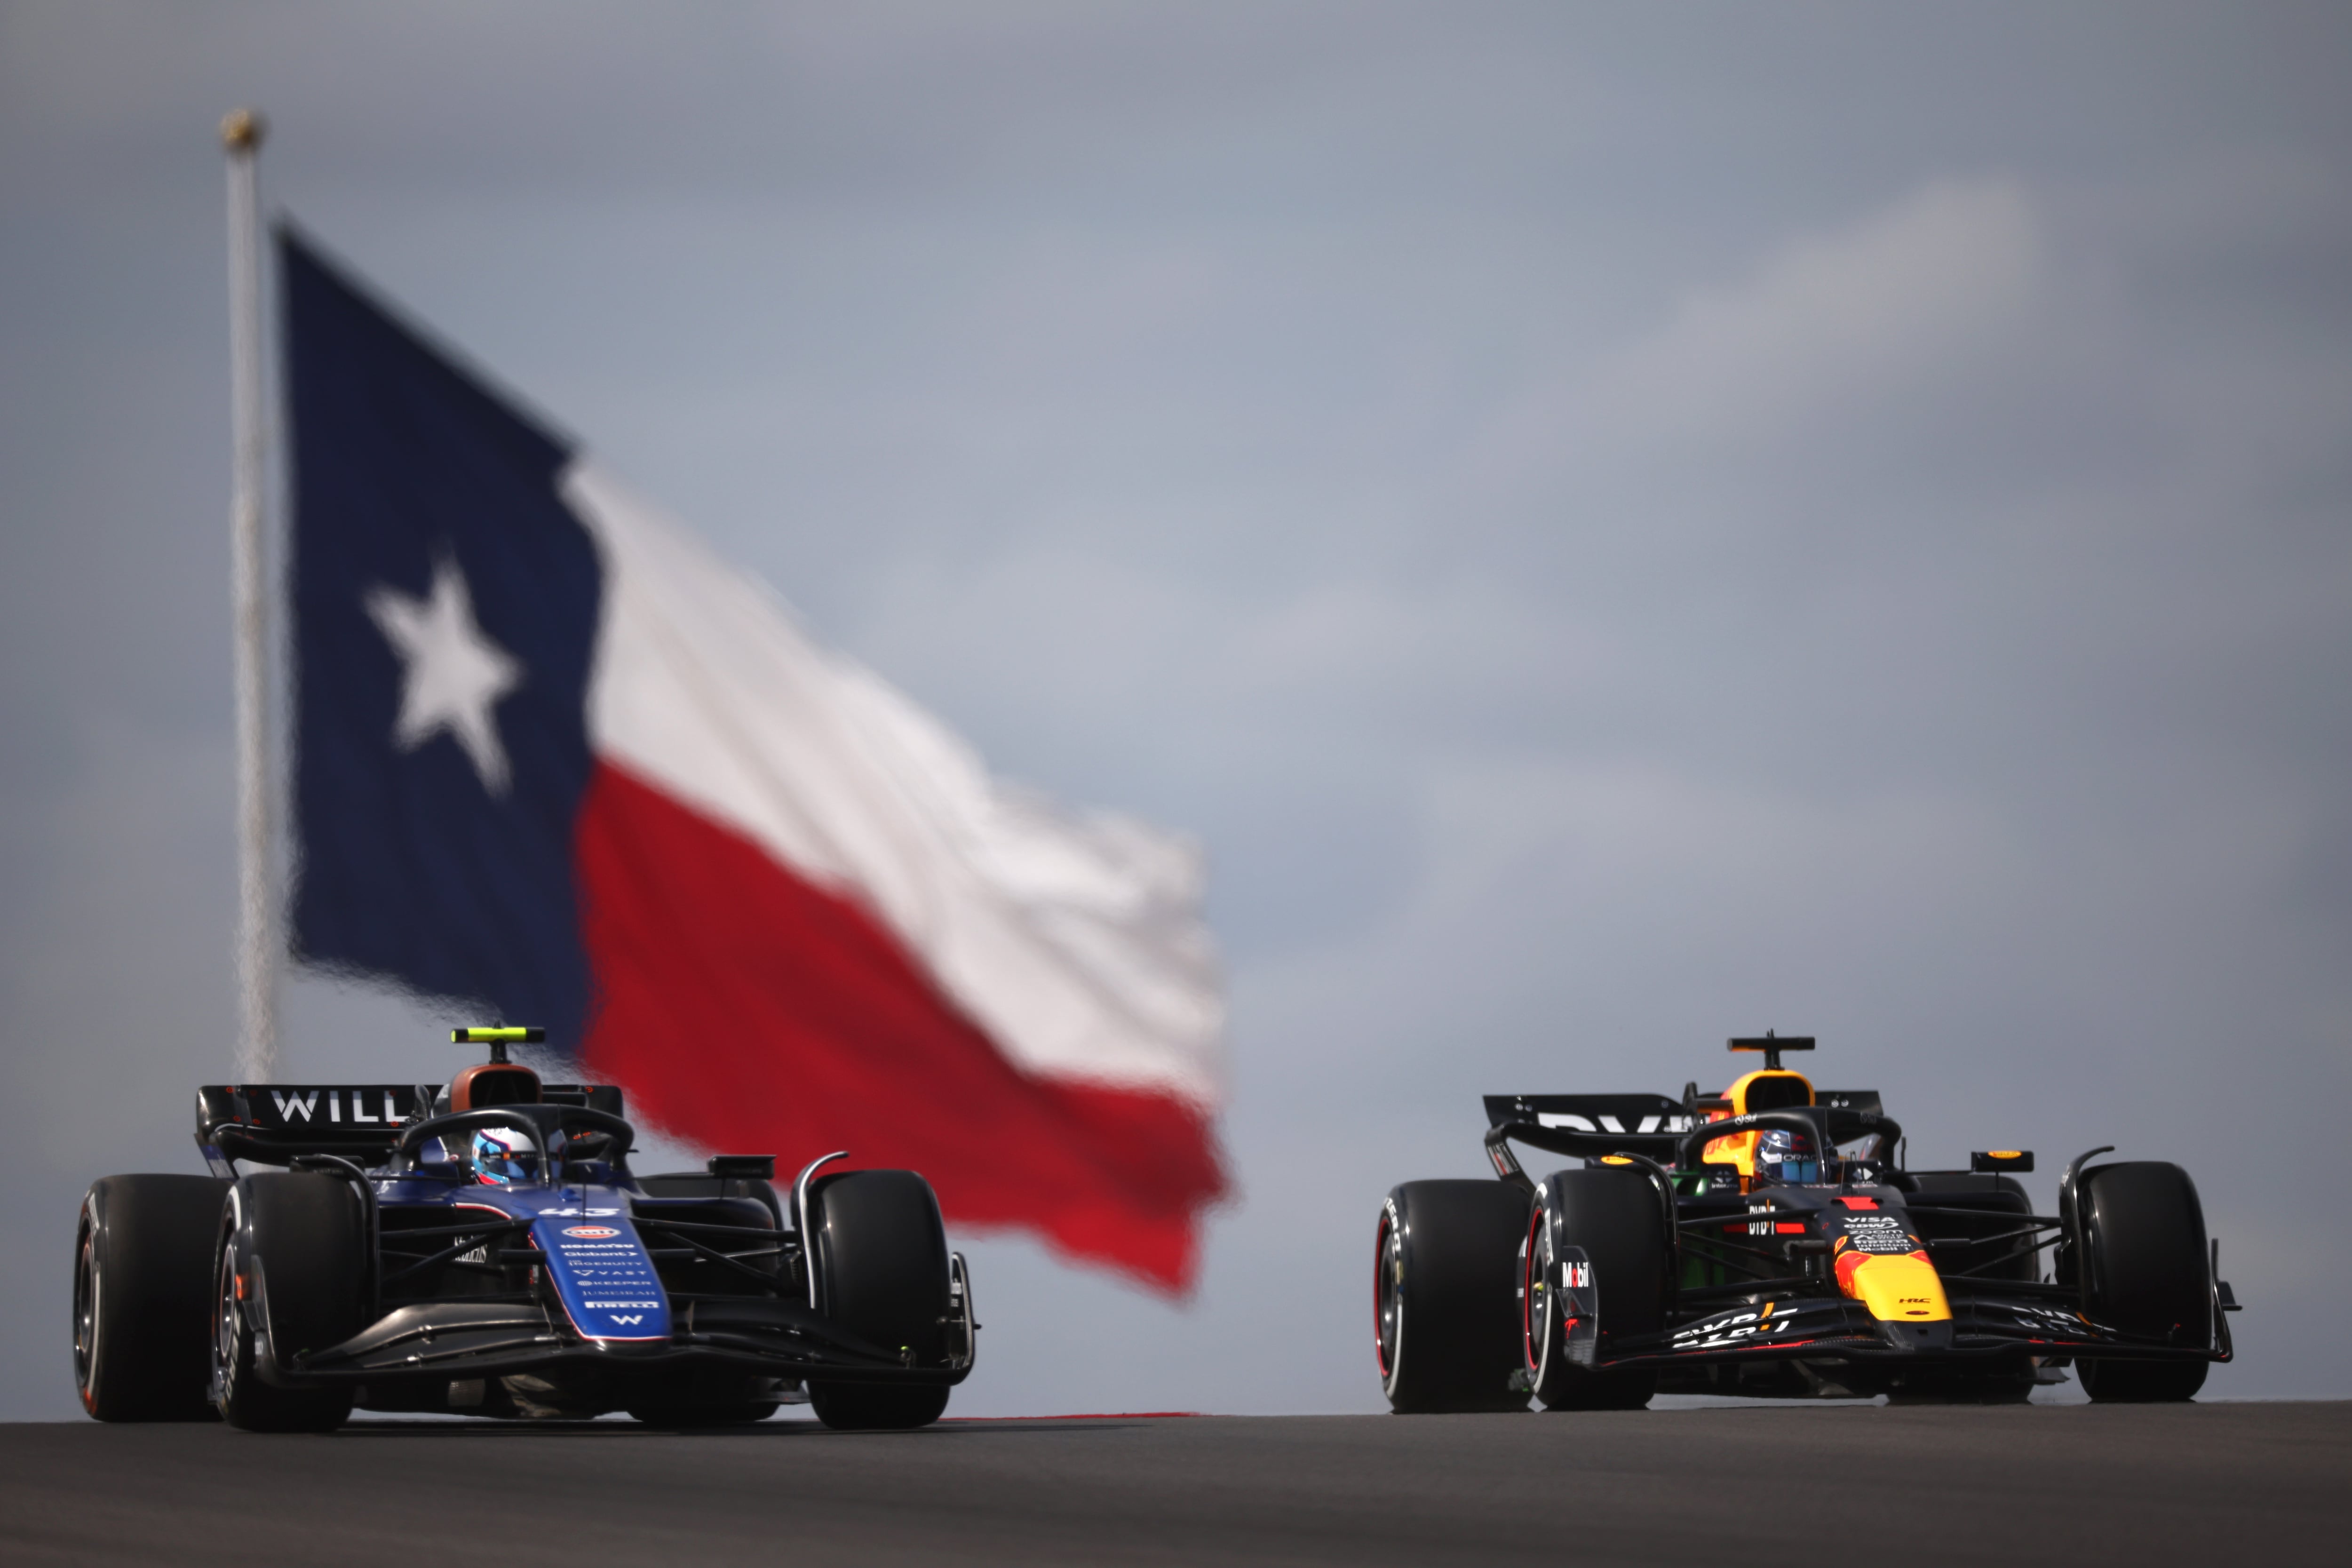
242,129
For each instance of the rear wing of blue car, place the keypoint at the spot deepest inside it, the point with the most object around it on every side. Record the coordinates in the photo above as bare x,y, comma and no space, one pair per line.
273,1123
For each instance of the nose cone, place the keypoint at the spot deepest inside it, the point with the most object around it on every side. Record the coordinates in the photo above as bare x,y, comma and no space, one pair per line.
1897,1287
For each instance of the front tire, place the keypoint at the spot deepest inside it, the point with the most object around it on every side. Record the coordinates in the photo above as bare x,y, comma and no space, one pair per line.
143,1290
1616,1216
293,1249
1445,1318
879,1253
2148,1273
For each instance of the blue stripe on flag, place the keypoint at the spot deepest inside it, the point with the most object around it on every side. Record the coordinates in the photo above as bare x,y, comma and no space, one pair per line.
445,605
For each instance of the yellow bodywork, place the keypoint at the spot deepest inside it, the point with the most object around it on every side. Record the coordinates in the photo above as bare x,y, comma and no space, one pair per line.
1897,1286
1740,1149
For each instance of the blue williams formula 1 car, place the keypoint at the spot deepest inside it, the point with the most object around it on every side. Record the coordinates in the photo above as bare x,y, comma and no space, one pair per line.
1768,1242
483,1249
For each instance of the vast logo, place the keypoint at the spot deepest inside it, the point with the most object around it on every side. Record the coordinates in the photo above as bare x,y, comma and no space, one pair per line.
598,1232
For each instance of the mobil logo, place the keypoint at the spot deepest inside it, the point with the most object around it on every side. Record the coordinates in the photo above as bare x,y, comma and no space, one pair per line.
591,1232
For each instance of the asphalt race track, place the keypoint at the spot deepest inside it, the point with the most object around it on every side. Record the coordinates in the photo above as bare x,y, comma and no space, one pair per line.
2073,1484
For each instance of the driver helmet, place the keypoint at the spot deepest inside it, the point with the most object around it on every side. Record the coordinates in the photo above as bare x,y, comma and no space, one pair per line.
503,1155
1787,1155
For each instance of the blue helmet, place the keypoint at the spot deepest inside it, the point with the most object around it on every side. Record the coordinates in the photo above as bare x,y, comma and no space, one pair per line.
503,1155
1786,1155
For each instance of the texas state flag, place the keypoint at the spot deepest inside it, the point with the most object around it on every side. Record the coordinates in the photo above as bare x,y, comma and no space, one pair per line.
555,758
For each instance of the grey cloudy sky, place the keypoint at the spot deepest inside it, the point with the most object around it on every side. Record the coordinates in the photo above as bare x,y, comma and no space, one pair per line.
1616,525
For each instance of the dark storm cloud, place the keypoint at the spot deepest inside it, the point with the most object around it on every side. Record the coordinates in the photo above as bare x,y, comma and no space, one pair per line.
1616,525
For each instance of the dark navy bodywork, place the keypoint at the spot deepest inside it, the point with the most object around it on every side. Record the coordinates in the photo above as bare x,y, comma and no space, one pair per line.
582,1289
1760,1301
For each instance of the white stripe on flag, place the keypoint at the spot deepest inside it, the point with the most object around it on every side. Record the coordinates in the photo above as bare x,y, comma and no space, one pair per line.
1075,943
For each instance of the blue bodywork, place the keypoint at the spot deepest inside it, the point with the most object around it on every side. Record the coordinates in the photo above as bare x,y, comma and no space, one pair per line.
580,1288
596,1263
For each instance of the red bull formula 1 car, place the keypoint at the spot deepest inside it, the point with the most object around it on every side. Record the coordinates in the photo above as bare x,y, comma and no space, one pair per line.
482,1248
1768,1242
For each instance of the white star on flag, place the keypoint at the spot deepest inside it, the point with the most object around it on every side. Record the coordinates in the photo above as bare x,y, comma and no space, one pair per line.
455,674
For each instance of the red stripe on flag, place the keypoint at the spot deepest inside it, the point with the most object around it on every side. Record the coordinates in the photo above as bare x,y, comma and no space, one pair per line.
752,1012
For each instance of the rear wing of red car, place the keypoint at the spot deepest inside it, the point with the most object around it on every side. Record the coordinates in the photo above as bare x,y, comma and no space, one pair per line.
1648,1125
1638,1113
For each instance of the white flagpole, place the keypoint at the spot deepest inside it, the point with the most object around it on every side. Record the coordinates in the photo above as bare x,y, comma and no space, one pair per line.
257,939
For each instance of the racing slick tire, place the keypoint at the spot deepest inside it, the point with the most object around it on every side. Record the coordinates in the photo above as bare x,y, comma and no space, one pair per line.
878,1251
686,1418
1445,1321
293,1247
2146,1271
143,1297
1617,1216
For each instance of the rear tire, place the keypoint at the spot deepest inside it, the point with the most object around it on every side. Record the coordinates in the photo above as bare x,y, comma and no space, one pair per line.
687,1417
2001,1382
294,1243
879,1250
1617,1216
1444,1307
877,1407
143,1297
2146,1272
